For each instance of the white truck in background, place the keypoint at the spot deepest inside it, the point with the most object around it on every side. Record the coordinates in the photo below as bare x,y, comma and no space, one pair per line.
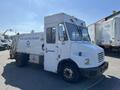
64,48
106,33
1,42
5,43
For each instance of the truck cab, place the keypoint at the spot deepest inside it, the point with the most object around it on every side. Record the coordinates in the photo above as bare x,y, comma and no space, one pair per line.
64,47
68,45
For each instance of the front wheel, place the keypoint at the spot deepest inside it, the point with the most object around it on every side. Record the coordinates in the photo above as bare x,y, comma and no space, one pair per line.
70,73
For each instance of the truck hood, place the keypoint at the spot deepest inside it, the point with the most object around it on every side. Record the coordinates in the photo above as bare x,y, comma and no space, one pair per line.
87,46
88,50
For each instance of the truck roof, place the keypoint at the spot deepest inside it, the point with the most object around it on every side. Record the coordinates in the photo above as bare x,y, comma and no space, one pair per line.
62,17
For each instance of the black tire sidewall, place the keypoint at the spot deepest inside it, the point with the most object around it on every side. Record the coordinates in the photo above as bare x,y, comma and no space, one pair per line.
21,60
75,71
18,60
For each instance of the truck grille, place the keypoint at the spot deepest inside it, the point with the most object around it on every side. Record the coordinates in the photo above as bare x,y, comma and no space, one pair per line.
100,57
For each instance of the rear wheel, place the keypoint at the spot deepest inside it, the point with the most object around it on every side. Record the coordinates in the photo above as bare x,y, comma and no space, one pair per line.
11,56
22,60
70,73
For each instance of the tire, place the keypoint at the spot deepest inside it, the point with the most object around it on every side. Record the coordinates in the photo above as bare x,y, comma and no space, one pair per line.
11,56
22,60
70,73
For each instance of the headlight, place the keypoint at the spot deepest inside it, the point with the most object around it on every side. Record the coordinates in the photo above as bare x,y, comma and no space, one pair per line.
87,61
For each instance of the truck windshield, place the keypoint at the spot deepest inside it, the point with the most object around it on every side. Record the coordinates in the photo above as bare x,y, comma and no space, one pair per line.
77,33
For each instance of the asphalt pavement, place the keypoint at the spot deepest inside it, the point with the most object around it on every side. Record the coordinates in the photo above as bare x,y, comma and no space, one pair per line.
35,78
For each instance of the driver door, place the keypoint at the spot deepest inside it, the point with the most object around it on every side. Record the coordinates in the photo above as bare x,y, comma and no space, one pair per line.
51,51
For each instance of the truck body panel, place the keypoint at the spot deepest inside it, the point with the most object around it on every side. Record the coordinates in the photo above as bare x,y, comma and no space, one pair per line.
92,33
117,32
30,43
107,33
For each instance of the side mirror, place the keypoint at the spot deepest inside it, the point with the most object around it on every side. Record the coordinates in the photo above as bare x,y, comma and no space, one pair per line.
61,34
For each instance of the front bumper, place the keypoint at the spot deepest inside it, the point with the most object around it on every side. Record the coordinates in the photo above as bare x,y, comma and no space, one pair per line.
94,72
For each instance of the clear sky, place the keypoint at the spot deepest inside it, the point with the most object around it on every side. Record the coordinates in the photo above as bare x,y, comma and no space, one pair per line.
25,15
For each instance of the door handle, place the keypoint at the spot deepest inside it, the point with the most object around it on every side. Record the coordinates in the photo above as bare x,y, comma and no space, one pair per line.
49,50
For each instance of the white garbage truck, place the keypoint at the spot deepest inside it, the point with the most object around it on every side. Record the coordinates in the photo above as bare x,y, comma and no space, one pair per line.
64,48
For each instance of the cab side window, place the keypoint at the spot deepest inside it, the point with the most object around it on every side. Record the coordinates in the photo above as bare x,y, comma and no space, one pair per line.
51,35
62,33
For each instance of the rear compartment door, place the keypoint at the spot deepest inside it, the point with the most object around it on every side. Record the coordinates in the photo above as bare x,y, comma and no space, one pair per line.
107,32
117,31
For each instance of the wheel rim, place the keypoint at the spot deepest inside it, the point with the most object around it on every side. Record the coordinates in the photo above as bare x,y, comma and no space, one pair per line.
68,73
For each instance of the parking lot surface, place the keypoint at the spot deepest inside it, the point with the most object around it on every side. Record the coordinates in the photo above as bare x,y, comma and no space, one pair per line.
35,78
